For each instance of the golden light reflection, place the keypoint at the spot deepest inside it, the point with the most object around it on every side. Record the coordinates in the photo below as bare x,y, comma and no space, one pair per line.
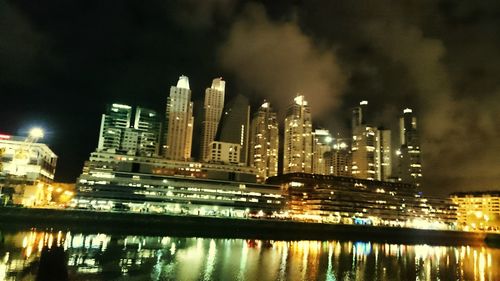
235,259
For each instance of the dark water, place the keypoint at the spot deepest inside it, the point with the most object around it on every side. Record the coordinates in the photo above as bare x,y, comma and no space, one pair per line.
28,254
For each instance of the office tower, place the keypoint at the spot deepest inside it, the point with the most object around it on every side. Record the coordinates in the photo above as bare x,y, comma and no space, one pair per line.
234,125
264,142
297,146
384,154
339,160
322,143
410,165
120,133
363,145
371,148
179,122
148,127
213,106
116,119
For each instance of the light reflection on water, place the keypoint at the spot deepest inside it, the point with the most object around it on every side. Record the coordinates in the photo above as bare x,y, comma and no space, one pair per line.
115,257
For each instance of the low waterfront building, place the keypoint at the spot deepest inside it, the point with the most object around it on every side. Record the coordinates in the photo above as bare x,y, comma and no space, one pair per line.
358,201
479,210
122,182
26,169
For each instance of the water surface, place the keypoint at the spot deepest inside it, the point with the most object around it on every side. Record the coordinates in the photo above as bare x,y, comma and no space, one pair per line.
99,256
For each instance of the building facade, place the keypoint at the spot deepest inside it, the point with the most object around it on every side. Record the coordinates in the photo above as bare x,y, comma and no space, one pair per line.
113,122
234,125
212,111
384,154
359,201
26,168
479,210
322,144
179,122
122,131
410,163
297,145
225,152
339,160
156,185
264,142
371,148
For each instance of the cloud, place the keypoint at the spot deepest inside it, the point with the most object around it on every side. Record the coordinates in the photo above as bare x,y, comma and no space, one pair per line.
459,134
276,60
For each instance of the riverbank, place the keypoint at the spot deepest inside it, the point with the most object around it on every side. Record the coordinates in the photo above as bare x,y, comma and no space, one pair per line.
195,226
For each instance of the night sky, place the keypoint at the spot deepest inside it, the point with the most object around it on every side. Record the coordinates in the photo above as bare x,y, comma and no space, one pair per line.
62,61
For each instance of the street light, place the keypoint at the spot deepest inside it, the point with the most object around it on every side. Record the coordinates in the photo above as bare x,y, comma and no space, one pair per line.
36,133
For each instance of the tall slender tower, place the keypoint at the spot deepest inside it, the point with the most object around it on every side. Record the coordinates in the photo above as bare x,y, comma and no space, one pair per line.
384,154
213,106
371,148
322,144
264,142
363,145
410,163
179,122
297,147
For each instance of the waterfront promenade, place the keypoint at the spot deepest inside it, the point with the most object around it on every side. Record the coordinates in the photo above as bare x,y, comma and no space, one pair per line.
201,226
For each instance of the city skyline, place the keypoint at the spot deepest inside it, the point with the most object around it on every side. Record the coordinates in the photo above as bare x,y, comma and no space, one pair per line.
62,82
367,153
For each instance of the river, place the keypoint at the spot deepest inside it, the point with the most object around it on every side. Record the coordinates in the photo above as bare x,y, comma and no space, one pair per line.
63,255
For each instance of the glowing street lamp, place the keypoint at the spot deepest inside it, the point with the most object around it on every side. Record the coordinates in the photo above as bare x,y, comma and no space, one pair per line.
36,133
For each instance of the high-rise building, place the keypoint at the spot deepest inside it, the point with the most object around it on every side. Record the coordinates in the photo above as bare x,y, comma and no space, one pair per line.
371,148
322,143
234,125
410,165
137,136
179,122
363,145
384,154
264,142
116,119
339,160
297,146
212,107
147,124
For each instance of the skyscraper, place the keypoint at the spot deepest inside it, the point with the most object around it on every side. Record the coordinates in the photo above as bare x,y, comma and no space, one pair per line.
322,143
146,122
264,142
339,160
137,136
212,107
113,122
297,146
384,154
410,164
371,147
234,125
179,122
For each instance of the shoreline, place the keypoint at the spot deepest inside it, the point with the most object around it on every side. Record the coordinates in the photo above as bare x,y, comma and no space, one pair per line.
212,227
